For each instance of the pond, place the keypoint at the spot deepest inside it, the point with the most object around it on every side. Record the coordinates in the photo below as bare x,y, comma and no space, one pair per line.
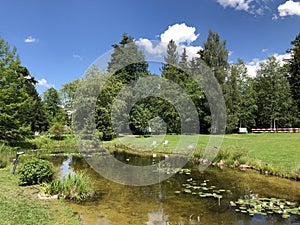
177,200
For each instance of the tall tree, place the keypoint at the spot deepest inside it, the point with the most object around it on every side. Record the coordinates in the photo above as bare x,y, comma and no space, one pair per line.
184,64
294,71
67,93
172,54
127,64
170,67
273,89
179,72
127,61
15,101
215,55
55,112
240,98
37,115
233,95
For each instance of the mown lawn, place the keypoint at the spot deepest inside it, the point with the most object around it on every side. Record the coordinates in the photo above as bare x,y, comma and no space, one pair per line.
277,149
21,206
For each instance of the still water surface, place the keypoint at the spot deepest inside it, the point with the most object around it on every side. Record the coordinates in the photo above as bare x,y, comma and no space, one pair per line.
159,204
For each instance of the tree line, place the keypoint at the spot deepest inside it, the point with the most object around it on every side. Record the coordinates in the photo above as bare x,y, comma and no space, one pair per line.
270,99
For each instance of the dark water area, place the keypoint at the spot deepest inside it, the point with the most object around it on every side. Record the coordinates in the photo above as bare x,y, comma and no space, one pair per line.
162,204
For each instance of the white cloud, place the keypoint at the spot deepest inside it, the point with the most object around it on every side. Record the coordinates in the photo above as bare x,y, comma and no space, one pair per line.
76,56
155,48
192,50
236,4
289,8
254,64
30,39
255,7
182,35
44,83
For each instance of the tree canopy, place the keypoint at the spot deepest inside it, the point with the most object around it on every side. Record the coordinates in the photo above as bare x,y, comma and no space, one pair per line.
21,109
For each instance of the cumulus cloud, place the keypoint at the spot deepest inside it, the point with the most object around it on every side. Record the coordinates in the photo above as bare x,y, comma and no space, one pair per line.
289,8
254,64
30,39
44,83
181,34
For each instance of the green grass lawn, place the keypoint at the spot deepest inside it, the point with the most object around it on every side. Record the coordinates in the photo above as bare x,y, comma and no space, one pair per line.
277,149
20,205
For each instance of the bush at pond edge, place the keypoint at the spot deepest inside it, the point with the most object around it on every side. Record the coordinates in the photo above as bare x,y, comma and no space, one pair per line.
35,171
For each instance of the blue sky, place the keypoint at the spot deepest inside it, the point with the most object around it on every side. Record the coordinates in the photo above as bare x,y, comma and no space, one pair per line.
58,40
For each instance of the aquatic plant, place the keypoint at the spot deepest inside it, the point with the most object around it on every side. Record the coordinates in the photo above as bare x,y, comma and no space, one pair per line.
77,187
202,190
266,206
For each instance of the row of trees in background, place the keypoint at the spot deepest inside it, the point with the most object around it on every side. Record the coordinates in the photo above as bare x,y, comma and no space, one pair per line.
271,98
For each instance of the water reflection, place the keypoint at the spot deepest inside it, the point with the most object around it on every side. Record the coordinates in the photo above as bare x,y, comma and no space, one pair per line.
65,168
159,204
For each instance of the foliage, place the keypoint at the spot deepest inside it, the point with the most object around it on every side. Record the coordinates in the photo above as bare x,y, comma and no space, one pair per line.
68,94
240,98
180,73
274,99
127,62
294,71
35,171
77,187
215,55
127,65
16,101
263,101
52,101
57,130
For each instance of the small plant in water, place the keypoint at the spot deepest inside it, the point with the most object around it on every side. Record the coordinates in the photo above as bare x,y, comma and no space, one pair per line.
202,190
266,206
77,187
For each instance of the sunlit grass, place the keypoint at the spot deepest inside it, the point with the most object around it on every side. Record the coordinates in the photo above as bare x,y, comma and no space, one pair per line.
20,205
281,150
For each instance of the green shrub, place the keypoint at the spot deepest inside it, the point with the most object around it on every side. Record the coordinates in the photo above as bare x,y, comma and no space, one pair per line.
75,187
35,171
57,130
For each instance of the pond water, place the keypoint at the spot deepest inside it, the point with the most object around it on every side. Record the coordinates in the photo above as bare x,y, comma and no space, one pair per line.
169,202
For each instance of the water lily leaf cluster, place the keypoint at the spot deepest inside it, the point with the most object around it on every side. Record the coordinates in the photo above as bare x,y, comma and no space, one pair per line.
266,206
203,189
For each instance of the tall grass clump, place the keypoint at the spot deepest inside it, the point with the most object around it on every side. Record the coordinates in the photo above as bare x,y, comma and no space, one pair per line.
76,187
